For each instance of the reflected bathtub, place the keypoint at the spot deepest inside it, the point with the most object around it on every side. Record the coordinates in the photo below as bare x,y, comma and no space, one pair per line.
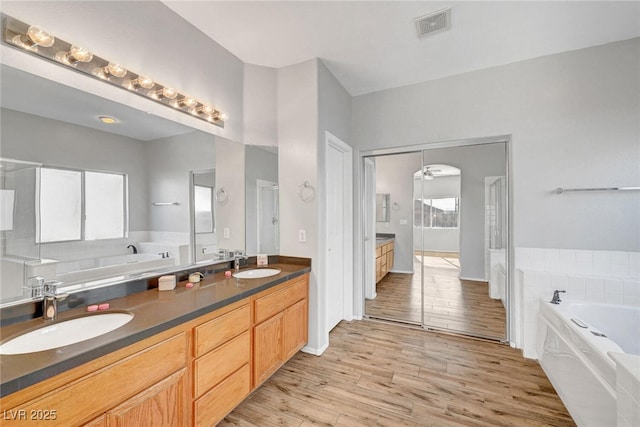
573,342
97,268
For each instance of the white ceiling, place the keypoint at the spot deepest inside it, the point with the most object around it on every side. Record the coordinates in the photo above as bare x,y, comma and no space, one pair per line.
372,45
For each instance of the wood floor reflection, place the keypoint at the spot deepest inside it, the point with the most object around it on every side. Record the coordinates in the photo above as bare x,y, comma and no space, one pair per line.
450,303
378,374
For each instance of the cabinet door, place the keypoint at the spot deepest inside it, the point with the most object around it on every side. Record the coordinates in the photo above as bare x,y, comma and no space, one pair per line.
294,328
267,348
101,421
378,269
162,404
390,260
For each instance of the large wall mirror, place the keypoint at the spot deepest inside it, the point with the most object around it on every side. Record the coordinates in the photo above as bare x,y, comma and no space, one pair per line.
262,215
142,169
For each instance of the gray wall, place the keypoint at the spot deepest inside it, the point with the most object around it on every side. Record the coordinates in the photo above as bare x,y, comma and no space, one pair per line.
55,143
475,163
394,175
259,164
169,161
574,120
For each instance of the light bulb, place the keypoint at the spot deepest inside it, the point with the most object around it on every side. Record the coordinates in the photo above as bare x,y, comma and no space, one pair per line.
115,70
80,54
144,82
166,92
76,54
187,102
223,116
205,109
40,37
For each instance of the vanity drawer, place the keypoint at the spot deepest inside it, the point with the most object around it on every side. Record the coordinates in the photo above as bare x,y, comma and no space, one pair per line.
218,364
220,400
105,388
221,329
269,305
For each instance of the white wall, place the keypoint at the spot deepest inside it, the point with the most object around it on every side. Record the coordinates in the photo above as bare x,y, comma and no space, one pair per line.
297,163
574,121
260,100
230,177
394,175
148,38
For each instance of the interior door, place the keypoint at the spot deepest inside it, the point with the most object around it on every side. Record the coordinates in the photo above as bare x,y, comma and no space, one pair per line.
335,236
370,229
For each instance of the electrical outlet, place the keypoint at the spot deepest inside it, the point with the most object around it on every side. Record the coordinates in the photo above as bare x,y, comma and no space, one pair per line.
226,232
302,236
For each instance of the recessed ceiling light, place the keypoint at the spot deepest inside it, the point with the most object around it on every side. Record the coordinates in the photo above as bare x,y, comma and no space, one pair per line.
107,120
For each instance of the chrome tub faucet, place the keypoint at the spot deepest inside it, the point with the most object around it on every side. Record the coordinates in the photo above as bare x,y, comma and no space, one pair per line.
556,297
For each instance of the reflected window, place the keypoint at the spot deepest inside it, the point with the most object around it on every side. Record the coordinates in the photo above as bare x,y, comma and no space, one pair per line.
203,205
80,205
59,205
104,205
437,213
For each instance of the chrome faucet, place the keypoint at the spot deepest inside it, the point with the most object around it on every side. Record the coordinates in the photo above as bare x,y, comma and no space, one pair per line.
556,297
236,261
50,299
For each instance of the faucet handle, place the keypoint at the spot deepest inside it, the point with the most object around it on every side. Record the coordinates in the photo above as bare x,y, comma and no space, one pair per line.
50,287
34,287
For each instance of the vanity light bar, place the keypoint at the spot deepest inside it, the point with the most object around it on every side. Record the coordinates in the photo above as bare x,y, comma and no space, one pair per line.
38,42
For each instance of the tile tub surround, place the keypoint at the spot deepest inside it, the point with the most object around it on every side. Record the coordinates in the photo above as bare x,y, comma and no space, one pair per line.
153,311
591,276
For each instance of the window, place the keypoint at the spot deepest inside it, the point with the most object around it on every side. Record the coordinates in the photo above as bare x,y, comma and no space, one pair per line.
80,205
437,213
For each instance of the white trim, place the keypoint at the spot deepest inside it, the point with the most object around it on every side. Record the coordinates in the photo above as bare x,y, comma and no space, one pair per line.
472,279
315,351
402,271
347,250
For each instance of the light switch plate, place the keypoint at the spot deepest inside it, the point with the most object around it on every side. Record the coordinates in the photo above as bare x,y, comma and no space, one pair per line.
302,236
226,232
403,222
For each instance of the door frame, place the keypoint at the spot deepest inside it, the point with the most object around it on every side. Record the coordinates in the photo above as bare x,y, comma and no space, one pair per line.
332,141
511,293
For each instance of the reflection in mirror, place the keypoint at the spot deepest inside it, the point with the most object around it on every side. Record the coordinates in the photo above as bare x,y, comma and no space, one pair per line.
262,201
203,185
382,207
142,161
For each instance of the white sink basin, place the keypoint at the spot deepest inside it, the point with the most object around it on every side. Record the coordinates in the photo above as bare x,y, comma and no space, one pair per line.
256,273
64,333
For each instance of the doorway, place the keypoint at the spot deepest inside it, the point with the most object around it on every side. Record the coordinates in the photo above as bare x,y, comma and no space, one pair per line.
458,277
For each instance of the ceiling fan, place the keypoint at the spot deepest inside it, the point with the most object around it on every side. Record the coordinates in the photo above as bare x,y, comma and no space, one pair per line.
428,173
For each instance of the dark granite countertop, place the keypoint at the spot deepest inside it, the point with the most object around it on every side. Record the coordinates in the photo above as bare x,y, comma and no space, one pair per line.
154,311
383,239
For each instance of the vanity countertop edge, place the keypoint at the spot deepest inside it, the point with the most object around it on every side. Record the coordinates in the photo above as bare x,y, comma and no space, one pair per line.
154,312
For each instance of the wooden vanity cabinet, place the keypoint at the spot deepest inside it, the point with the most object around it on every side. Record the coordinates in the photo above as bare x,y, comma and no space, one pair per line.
384,259
191,375
280,327
221,372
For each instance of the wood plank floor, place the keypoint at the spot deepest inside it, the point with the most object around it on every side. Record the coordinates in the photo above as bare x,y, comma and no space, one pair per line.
377,374
450,303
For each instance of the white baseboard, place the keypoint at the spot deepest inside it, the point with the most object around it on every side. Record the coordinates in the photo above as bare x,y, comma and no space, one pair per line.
375,295
473,279
315,351
401,271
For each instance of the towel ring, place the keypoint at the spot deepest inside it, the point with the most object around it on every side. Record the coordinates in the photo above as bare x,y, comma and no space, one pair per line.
306,192
221,196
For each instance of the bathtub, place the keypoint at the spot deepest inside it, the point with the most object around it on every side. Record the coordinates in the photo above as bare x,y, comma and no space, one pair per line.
576,359
97,268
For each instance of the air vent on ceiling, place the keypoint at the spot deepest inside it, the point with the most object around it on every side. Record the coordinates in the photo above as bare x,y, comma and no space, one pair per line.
434,22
